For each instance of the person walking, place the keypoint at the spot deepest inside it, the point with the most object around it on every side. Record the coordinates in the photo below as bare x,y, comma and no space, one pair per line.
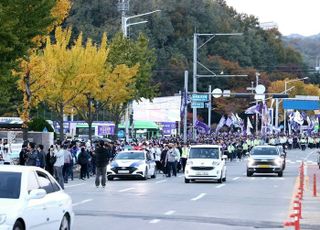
23,154
67,163
42,156
83,159
102,160
58,165
171,161
184,156
32,155
50,160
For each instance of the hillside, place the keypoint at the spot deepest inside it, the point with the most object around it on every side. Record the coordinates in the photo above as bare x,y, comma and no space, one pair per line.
309,47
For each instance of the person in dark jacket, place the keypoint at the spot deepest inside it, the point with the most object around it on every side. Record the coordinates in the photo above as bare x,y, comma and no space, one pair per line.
102,159
32,155
83,160
23,155
50,160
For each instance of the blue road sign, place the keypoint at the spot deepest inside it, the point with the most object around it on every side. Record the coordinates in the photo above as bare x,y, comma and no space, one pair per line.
200,97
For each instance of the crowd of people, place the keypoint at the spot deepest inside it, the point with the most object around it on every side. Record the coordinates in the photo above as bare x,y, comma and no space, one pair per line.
169,153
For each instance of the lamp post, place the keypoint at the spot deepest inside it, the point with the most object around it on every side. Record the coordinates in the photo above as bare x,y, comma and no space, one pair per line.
123,7
285,91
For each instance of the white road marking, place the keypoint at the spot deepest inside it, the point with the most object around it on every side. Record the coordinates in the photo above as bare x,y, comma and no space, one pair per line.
168,213
81,202
74,185
154,221
298,161
236,178
220,186
160,181
252,178
181,176
126,189
312,152
198,197
264,178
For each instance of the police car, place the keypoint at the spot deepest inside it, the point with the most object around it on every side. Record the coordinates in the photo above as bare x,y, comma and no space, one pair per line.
132,164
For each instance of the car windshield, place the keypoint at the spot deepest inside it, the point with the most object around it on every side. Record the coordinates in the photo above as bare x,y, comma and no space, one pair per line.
205,153
264,151
130,156
10,185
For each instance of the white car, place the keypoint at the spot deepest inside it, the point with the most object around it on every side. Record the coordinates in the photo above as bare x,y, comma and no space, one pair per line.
135,163
30,198
206,162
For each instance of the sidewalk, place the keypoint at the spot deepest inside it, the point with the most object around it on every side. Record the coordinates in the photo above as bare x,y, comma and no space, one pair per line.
310,204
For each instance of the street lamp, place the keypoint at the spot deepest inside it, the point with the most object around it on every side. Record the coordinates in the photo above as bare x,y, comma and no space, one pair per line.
285,91
124,27
125,19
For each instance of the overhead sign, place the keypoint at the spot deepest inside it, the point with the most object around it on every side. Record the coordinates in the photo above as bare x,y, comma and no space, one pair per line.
301,104
200,97
260,89
197,105
226,93
216,93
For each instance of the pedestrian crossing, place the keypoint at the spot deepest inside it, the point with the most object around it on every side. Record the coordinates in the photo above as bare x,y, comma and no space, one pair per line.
309,162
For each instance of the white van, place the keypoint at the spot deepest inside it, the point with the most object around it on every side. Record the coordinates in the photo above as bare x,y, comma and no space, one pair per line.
206,162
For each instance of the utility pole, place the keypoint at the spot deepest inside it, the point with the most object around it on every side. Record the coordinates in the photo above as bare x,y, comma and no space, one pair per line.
257,115
123,7
209,37
185,128
209,107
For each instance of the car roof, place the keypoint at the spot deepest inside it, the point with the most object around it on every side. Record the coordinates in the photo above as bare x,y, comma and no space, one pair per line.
205,146
132,151
265,146
18,168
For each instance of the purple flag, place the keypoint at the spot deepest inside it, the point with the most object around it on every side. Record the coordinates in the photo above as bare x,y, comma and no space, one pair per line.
202,127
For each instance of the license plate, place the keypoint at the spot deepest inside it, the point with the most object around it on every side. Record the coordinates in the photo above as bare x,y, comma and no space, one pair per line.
263,166
202,173
123,171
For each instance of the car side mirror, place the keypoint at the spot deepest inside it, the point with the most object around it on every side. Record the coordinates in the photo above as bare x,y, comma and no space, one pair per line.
37,194
224,157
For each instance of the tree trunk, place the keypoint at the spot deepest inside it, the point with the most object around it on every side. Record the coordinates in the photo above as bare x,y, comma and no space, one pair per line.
60,121
89,121
25,134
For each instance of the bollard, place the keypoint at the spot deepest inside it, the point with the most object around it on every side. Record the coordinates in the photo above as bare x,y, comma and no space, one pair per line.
297,207
314,185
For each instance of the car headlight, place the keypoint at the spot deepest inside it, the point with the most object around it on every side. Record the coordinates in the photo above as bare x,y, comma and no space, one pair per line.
250,161
141,167
189,163
3,218
214,163
278,161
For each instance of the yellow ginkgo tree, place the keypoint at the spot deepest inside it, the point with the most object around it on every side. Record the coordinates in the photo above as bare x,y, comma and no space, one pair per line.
70,76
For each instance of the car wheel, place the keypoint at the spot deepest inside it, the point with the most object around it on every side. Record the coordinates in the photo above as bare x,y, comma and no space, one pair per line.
65,224
18,225
249,173
280,174
110,178
186,180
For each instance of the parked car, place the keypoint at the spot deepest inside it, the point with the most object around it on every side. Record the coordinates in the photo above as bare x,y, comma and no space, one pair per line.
265,159
30,198
206,162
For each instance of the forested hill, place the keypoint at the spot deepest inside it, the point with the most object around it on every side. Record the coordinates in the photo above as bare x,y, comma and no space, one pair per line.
309,47
171,35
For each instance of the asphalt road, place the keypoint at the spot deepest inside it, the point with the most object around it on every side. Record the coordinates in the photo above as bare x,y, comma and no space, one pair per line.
261,201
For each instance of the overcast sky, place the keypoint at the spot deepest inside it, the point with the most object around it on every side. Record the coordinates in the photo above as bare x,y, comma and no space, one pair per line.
292,16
